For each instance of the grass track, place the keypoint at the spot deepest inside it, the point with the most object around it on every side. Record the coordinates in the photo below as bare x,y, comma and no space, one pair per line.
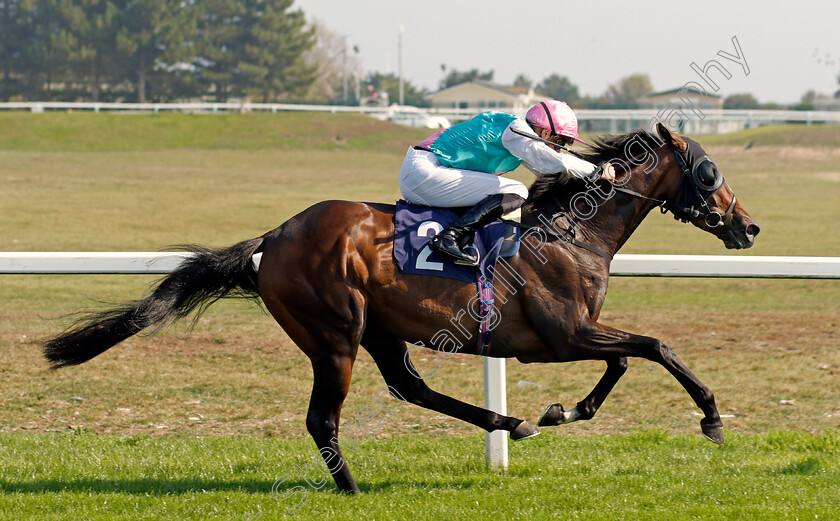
779,476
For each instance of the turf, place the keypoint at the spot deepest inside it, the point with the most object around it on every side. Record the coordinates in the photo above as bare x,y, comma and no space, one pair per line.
646,476
91,132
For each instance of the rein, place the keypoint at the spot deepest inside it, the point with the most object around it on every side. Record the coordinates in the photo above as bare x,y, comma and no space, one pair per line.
682,212
568,235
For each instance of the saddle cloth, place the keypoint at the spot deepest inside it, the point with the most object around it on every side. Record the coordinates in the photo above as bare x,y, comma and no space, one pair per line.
415,225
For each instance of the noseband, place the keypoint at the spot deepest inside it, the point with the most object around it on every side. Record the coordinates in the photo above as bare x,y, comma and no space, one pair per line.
697,185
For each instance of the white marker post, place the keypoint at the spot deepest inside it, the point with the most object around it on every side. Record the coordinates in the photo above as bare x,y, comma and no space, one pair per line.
495,399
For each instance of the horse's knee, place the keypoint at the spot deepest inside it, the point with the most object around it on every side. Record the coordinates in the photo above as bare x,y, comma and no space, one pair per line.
662,353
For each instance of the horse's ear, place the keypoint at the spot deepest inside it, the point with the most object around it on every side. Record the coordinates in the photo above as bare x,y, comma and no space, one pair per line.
670,137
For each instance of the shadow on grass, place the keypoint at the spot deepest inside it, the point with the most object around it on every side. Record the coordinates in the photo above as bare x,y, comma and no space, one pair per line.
151,486
164,487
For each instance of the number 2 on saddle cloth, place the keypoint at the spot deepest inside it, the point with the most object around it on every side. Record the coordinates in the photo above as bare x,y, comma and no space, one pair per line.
415,225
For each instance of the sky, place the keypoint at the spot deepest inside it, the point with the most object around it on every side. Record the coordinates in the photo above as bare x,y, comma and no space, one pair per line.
789,47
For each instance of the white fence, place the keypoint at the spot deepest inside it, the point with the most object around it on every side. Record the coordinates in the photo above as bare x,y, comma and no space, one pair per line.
610,120
717,266
494,368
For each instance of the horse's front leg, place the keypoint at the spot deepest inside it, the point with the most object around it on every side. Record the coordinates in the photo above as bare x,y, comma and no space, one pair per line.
597,342
555,414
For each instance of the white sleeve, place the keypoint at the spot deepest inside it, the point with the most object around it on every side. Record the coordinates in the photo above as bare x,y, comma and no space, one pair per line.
538,156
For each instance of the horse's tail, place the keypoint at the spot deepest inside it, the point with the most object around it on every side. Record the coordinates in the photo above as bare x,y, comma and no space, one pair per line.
194,285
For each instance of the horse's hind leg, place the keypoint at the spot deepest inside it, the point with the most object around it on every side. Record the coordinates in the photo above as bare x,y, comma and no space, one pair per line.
331,347
332,381
390,354
586,408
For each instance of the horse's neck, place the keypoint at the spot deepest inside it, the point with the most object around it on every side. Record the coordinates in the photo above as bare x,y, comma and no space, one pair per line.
617,218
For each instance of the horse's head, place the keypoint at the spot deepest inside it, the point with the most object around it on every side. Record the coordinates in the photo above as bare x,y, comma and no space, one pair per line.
702,196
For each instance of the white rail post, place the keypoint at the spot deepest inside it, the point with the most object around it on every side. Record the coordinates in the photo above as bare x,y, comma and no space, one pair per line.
495,399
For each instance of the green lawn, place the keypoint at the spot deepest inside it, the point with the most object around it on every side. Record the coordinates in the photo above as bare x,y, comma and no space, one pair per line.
779,476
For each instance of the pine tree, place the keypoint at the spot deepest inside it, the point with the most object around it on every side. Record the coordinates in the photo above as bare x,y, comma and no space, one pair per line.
154,36
88,38
49,50
219,36
15,28
271,63
254,47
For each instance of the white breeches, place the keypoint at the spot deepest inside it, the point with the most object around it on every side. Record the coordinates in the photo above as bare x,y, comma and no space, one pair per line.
423,180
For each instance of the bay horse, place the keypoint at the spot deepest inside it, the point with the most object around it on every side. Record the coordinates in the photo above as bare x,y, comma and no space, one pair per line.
328,277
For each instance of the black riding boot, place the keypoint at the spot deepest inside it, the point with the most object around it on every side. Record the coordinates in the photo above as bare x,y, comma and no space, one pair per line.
456,240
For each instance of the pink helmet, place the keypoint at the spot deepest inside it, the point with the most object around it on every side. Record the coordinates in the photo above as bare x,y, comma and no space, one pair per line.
554,115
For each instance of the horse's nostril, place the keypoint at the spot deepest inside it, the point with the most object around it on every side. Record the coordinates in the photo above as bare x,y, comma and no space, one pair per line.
753,229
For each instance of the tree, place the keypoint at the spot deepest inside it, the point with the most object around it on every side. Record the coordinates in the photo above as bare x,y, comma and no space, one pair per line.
14,29
600,102
254,47
390,83
741,102
456,77
559,88
523,81
629,90
154,36
806,102
218,37
49,52
271,57
87,38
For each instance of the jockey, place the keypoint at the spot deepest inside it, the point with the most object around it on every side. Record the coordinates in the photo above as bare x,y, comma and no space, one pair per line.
461,166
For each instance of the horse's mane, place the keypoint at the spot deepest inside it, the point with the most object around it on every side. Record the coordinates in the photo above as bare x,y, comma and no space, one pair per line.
602,148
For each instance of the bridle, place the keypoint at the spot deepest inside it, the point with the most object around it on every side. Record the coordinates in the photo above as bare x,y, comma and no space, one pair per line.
697,186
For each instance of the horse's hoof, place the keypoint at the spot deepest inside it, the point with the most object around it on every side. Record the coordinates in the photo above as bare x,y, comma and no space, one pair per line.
523,431
713,431
553,415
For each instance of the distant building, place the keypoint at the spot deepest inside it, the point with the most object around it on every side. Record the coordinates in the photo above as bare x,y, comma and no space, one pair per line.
826,103
686,108
478,96
677,98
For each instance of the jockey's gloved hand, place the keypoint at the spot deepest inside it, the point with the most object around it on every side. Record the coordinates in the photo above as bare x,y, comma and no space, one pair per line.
604,171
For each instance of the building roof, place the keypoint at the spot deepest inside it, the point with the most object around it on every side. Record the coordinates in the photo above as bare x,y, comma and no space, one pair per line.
679,89
504,89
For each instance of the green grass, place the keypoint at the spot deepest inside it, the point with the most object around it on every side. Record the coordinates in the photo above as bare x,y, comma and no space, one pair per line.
779,136
779,476
91,132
